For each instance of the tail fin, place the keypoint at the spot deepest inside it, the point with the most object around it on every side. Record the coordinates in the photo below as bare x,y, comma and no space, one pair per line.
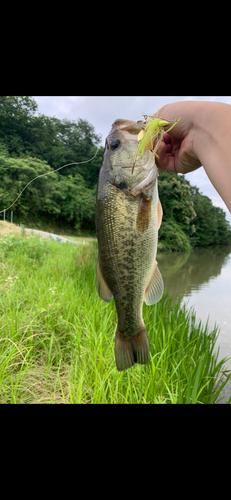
131,350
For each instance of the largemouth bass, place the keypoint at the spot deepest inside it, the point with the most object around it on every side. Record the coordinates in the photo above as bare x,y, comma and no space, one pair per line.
128,216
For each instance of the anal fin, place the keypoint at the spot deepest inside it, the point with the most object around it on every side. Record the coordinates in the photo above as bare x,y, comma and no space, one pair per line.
155,288
103,290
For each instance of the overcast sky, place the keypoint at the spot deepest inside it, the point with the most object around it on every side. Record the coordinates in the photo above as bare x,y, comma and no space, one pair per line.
102,111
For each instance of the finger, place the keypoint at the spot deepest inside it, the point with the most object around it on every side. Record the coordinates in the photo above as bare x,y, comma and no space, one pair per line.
168,148
167,138
166,160
172,143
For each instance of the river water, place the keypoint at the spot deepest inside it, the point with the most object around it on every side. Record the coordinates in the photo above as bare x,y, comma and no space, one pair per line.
202,279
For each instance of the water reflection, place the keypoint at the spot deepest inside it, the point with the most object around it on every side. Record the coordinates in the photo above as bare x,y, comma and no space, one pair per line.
190,271
202,279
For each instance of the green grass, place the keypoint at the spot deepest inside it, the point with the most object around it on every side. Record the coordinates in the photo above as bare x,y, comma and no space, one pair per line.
57,336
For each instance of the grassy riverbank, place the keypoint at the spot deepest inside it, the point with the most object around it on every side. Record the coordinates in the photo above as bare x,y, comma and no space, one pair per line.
57,336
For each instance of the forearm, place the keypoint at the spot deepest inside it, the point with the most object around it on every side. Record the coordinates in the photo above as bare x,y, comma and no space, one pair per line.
212,145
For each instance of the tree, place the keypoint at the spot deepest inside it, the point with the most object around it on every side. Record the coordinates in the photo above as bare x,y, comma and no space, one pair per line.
78,202
64,199
56,141
79,143
32,144
16,113
211,226
15,174
223,227
44,142
178,210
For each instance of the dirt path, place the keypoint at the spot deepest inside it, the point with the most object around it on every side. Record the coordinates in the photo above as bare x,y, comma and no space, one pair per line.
44,234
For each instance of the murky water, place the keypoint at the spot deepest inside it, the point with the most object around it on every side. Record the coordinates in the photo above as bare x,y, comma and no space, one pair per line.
202,279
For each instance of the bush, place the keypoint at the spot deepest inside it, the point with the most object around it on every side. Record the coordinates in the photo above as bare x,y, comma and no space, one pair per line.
171,237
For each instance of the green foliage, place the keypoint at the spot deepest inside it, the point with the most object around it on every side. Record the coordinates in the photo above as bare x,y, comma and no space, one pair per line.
32,144
76,201
189,218
79,143
172,237
174,193
32,249
15,173
211,227
178,212
67,198
16,114
55,141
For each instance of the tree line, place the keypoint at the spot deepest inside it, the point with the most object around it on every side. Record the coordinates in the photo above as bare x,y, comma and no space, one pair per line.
189,217
32,144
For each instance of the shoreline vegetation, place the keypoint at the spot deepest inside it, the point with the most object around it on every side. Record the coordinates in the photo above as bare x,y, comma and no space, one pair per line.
31,145
57,336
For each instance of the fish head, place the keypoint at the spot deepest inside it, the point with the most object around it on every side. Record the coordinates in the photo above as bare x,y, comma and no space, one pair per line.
119,156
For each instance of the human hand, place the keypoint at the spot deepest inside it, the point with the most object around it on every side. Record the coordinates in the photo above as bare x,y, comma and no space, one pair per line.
177,150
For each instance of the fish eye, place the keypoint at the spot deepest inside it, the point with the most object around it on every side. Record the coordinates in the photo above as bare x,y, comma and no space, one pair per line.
114,144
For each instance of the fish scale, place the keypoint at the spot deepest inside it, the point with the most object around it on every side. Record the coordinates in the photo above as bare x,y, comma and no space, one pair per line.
127,231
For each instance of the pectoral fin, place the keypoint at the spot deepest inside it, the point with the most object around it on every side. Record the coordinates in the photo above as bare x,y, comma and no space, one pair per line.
155,289
144,215
103,290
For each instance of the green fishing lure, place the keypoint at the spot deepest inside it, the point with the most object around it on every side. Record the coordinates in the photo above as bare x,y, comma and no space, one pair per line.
151,134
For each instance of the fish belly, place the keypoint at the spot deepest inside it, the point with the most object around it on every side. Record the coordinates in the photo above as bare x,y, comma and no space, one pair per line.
127,252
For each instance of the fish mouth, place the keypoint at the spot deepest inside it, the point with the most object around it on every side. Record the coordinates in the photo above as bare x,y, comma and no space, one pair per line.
130,131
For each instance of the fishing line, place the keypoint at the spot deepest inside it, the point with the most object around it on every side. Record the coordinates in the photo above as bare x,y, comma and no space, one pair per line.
47,173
